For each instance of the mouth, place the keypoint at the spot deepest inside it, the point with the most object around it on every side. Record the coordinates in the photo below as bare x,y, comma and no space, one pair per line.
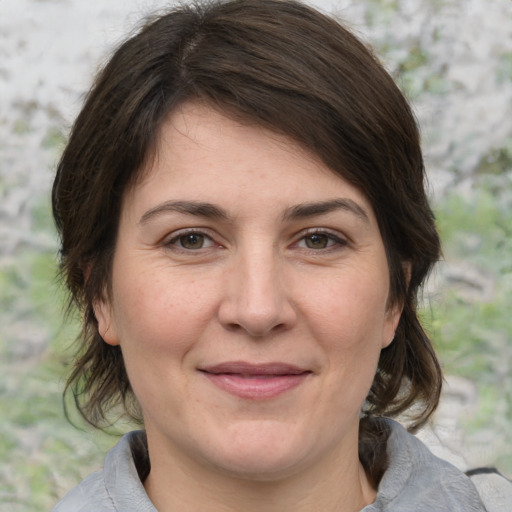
255,381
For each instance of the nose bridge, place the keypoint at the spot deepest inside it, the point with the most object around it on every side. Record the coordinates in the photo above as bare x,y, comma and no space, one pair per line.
257,300
260,285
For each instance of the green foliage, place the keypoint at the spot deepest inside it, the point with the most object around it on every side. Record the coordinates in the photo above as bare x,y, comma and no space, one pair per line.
379,12
504,72
474,337
42,454
54,139
21,126
497,159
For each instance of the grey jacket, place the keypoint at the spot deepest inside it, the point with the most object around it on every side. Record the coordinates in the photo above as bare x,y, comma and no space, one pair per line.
415,481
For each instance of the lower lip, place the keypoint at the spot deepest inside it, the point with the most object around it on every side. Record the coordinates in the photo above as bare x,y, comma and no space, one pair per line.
256,387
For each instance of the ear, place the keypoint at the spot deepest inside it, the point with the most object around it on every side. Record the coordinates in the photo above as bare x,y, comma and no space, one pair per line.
391,323
395,312
104,314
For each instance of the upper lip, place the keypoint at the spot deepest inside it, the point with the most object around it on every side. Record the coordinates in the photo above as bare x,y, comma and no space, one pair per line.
244,368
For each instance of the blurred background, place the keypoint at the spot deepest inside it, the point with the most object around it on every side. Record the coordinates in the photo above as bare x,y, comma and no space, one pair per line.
453,59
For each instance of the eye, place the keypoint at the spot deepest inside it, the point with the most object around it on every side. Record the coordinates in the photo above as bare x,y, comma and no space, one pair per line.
191,241
319,240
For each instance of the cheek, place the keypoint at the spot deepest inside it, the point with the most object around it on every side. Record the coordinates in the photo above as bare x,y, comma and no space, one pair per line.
352,309
161,314
158,325
349,322
350,325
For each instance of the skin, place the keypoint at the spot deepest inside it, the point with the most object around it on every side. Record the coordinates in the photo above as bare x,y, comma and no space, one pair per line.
286,264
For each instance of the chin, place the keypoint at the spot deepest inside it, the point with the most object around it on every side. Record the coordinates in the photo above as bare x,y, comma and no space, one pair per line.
269,469
261,454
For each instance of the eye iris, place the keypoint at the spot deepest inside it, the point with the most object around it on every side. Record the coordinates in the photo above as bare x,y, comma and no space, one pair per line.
317,241
192,241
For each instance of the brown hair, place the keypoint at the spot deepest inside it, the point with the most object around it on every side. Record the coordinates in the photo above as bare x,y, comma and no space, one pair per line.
288,68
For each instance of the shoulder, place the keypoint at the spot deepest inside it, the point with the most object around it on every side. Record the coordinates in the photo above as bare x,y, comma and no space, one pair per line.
416,480
90,493
115,488
494,489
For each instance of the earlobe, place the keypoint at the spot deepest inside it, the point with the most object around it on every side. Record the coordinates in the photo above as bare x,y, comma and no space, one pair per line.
106,325
389,336
393,319
395,312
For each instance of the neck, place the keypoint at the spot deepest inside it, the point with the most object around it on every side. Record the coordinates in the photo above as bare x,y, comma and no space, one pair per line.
334,484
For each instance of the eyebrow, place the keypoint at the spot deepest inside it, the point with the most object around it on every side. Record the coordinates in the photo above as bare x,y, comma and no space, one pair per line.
197,208
305,210
299,211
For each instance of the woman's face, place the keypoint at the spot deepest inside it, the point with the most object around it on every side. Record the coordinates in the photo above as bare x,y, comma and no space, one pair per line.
249,297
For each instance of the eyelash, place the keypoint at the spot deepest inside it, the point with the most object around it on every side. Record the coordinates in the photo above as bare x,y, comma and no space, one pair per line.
175,240
334,241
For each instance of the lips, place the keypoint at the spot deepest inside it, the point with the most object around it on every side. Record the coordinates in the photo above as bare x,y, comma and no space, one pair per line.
255,381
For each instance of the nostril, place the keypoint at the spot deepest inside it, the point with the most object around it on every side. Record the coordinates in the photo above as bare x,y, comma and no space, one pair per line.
233,327
258,311
254,331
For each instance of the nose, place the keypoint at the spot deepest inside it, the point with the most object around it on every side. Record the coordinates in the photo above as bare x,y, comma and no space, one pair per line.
256,298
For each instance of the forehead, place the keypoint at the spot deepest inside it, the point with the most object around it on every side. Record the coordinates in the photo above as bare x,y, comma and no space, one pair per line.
203,154
196,130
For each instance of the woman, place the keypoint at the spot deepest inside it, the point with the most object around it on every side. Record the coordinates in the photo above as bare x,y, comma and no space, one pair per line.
244,224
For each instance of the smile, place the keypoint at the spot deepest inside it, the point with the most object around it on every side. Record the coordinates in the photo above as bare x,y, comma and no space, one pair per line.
255,382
